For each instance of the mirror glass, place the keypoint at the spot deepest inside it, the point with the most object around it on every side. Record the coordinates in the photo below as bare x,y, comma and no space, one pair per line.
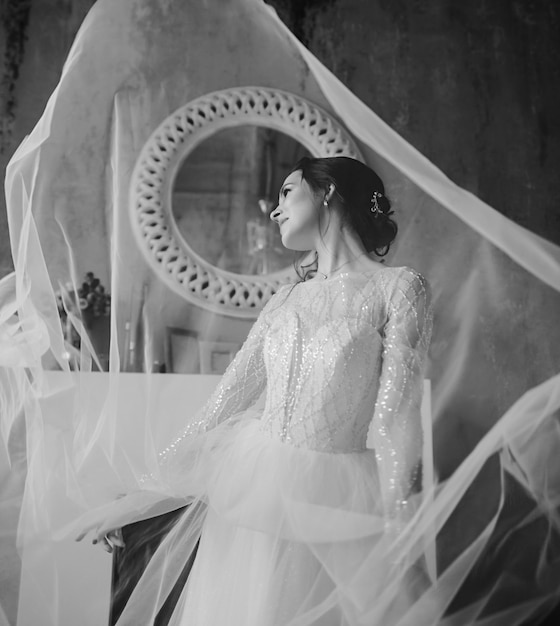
223,194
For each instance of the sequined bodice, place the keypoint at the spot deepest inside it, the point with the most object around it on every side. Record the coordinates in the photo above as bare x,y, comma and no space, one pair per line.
322,353
341,361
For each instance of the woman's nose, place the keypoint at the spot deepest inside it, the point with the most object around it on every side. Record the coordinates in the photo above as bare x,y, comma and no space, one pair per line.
275,214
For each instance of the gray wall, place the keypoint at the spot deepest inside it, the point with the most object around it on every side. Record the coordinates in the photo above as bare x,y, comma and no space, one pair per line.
473,85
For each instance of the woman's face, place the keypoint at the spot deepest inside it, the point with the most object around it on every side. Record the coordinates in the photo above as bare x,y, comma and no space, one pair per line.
297,213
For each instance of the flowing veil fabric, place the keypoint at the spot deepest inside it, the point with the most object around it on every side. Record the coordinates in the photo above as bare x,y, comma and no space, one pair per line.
491,517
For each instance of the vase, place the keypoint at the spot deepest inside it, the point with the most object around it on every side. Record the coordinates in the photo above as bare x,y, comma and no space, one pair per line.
99,333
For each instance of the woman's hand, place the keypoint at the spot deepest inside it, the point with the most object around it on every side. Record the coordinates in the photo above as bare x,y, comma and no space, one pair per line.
107,539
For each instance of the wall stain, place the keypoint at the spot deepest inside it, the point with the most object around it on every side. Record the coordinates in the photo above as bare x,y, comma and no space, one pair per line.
14,19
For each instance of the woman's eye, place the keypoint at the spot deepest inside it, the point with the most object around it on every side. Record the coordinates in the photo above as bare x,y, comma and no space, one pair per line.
285,192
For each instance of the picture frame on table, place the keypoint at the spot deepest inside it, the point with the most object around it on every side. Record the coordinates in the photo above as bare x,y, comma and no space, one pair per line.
186,353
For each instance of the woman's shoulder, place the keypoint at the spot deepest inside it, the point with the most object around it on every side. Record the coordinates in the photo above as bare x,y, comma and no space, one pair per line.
400,284
408,277
407,287
276,298
400,276
282,290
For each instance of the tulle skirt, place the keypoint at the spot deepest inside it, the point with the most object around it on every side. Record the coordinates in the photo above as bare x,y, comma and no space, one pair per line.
293,536
287,535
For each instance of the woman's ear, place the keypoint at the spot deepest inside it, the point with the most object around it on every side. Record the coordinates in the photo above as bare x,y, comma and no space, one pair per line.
330,192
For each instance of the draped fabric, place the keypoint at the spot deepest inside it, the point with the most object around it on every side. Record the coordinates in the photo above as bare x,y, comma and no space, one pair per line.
492,517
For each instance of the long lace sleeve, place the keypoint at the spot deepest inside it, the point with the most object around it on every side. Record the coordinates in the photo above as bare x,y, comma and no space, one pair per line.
396,427
239,388
179,472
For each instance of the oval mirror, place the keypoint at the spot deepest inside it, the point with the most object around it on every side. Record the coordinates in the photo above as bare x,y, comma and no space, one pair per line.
196,214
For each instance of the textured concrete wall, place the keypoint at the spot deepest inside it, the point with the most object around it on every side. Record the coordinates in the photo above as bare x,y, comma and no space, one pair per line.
473,85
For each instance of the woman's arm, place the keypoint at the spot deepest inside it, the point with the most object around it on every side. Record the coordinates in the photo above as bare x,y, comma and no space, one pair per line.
396,427
162,490
241,385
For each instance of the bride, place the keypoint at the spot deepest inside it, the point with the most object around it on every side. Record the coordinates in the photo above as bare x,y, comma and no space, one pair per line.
312,511
298,520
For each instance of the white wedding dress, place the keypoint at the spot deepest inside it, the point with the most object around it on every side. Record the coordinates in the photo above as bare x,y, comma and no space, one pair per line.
297,515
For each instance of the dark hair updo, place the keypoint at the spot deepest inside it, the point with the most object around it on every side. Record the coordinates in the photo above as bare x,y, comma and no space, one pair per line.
356,185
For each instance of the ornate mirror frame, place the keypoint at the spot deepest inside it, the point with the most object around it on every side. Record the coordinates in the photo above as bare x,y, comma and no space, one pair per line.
165,249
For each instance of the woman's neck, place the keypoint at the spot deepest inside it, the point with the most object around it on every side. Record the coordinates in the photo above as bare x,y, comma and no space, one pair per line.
339,253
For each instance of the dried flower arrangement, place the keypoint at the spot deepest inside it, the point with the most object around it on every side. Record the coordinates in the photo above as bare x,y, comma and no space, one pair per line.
90,301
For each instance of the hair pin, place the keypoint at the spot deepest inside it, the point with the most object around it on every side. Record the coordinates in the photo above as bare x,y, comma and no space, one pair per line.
374,208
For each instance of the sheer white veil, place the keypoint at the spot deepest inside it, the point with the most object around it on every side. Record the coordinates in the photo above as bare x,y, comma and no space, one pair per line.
495,355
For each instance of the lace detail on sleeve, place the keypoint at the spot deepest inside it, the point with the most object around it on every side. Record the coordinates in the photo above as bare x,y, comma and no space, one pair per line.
241,385
396,427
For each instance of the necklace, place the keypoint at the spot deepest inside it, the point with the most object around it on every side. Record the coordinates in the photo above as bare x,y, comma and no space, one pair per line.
325,276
